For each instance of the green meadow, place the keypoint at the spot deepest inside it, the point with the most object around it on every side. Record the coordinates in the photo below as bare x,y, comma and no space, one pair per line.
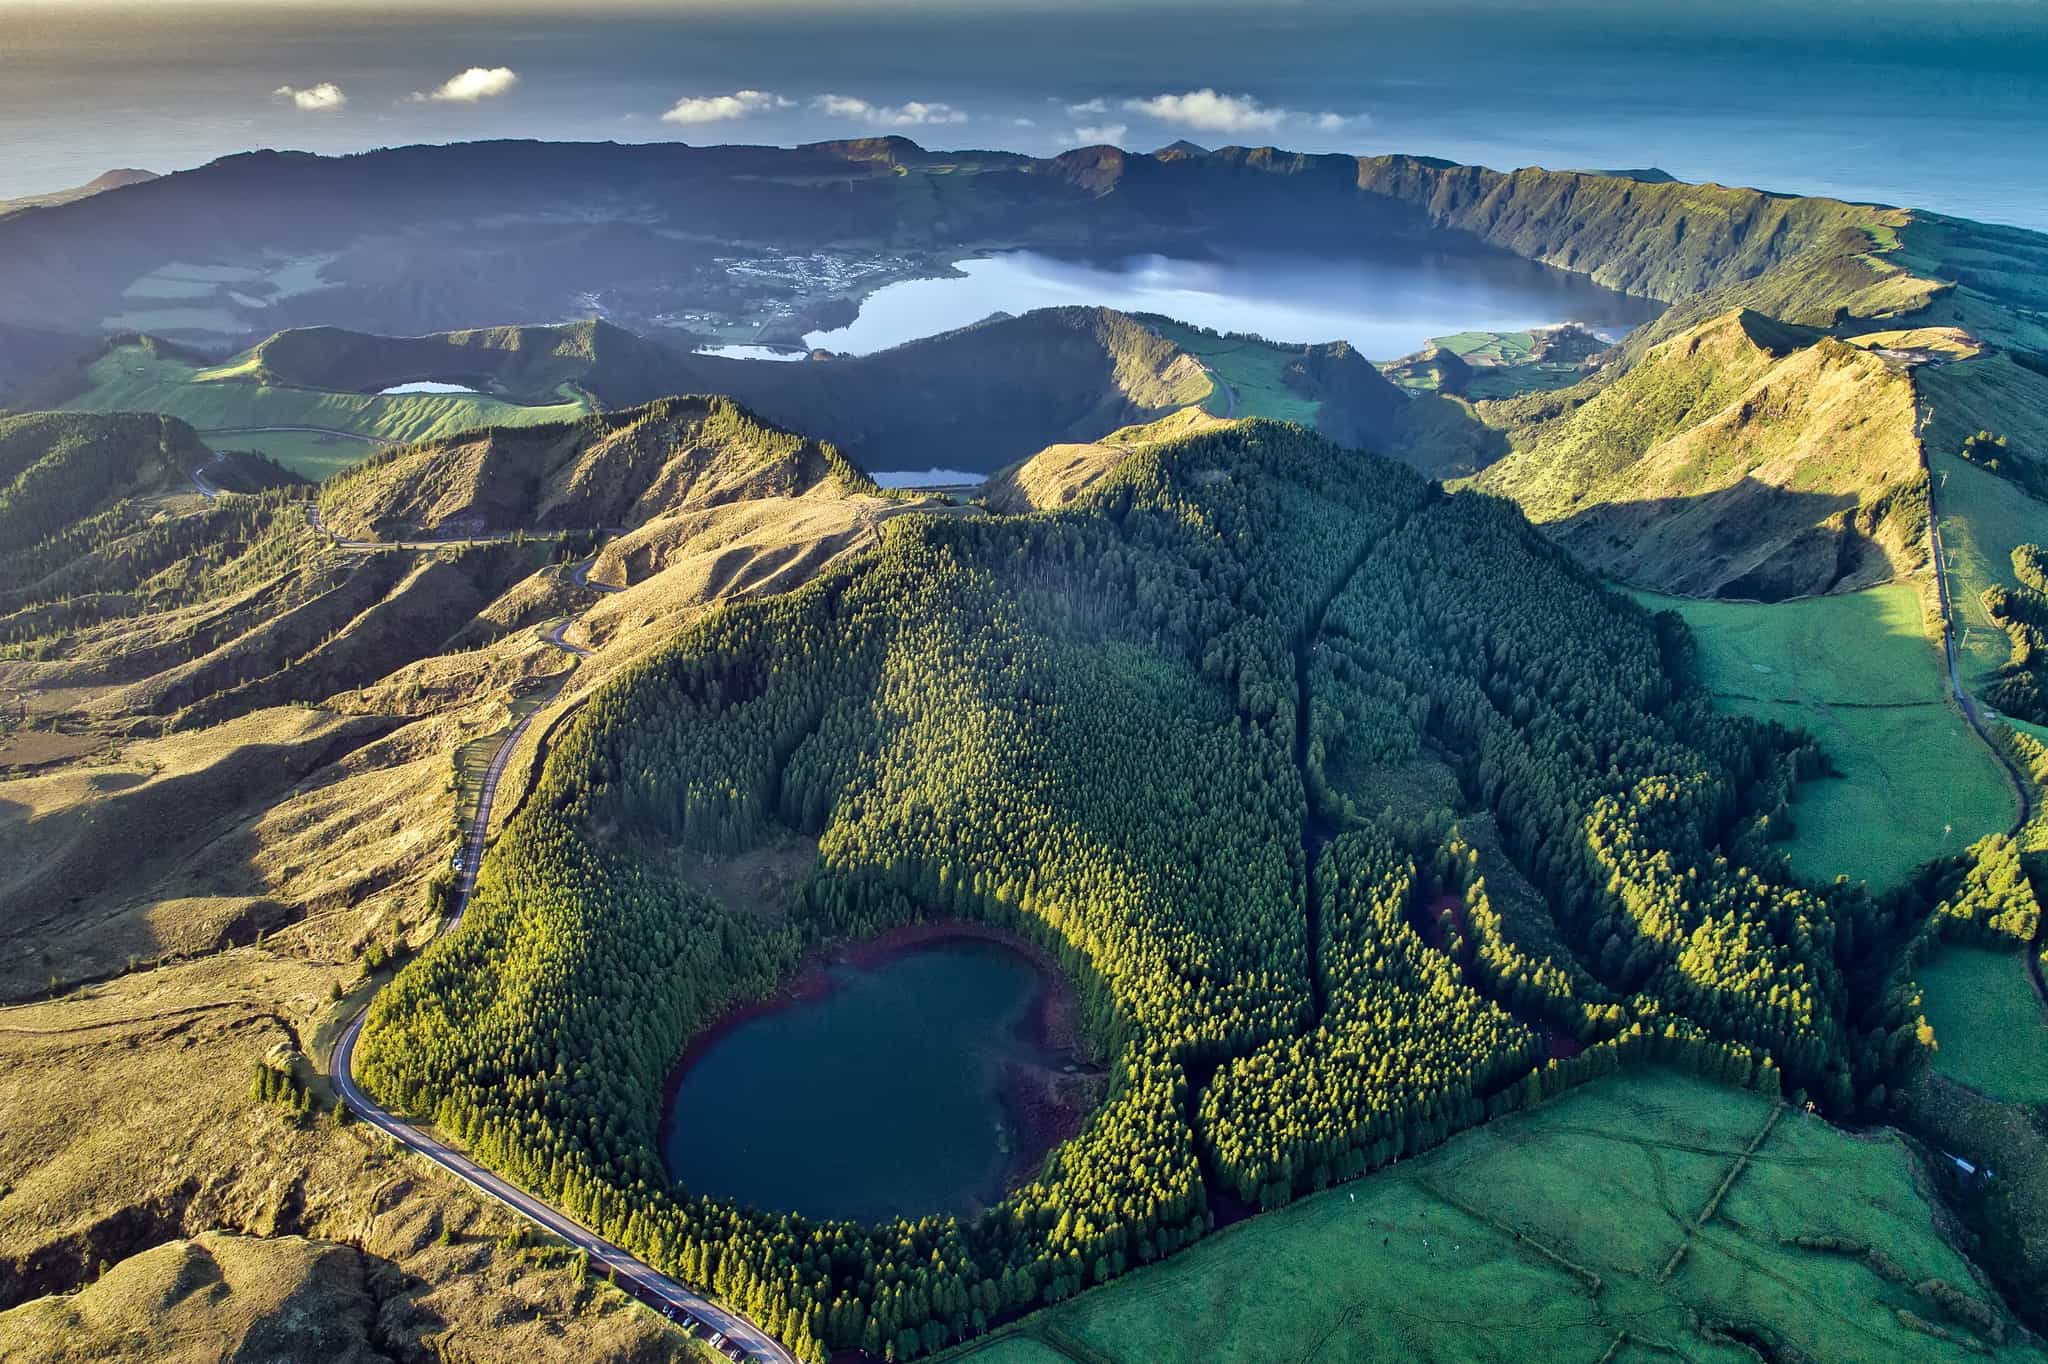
1860,673
1649,1215
1252,369
1987,1022
231,409
1983,517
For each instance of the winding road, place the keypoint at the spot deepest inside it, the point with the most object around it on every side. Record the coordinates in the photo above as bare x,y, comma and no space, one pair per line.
739,1338
379,441
1968,705
1964,701
1229,393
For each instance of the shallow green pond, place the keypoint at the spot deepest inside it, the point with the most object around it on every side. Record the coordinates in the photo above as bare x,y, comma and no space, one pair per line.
878,1093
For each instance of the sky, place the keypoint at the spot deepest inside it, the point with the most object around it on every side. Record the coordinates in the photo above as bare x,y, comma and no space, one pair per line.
1934,103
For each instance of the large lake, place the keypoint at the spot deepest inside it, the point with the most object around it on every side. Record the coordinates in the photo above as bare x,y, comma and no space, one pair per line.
878,1095
1385,306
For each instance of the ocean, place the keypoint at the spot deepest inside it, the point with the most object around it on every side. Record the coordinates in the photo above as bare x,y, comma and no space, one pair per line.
1939,104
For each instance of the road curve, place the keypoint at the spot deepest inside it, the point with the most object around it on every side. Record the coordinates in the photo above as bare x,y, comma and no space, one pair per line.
2033,950
1964,701
303,430
642,1280
1229,393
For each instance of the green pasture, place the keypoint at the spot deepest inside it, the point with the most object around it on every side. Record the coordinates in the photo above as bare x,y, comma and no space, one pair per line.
1489,348
1252,370
1983,517
1860,673
1987,1022
316,455
224,399
1612,1223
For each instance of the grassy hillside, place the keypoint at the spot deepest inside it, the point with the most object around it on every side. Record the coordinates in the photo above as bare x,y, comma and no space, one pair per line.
1661,240
157,1210
286,1296
1338,393
1860,672
233,403
1988,1023
56,469
1984,517
1061,474
975,399
1741,458
1502,364
610,469
1498,1246
1999,396
528,365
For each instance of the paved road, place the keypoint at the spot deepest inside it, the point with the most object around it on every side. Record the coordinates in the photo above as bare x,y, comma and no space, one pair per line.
303,430
652,1287
1968,704
1964,701
1229,393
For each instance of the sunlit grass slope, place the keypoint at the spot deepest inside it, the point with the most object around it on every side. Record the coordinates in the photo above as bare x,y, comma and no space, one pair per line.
1624,1212
1987,1022
230,406
1861,674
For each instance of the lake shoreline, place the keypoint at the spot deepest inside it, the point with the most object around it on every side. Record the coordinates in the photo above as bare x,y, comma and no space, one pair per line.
1044,1100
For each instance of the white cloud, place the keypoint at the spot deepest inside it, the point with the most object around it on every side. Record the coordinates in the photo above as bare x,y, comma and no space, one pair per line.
1100,134
1210,112
1098,105
912,114
723,108
1021,122
467,87
314,99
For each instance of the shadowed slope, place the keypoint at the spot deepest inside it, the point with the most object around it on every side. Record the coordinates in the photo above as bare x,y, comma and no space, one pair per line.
1740,458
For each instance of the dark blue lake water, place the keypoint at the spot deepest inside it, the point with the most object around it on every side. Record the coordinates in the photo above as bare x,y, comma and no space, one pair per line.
880,1096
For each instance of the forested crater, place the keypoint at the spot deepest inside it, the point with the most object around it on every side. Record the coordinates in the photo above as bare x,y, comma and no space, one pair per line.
1220,738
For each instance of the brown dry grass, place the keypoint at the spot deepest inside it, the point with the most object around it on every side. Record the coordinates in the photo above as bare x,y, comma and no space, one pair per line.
209,1298
223,881
1058,474
130,1126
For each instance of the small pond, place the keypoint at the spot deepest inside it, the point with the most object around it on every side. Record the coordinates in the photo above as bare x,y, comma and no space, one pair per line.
926,478
898,1086
423,386
743,352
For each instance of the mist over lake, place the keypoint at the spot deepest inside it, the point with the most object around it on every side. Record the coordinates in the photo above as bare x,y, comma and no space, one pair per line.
1385,305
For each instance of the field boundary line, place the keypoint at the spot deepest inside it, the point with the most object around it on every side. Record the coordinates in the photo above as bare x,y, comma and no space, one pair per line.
1055,1337
1590,1278
1713,1203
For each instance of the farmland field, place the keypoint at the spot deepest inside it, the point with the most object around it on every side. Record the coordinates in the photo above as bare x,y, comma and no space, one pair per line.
220,400
1861,675
1987,1022
1601,1225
